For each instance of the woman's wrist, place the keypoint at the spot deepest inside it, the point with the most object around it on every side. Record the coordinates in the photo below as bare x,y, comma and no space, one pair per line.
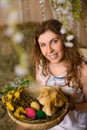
72,106
71,103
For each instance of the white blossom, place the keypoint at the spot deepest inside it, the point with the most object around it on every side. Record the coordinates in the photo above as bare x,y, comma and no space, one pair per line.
18,37
59,10
68,44
41,1
62,31
60,1
65,11
70,37
9,31
20,70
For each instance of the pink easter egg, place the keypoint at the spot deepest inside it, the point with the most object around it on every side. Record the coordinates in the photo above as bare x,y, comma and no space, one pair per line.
31,113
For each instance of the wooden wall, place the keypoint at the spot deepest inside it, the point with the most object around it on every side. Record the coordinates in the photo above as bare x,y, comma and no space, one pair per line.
30,10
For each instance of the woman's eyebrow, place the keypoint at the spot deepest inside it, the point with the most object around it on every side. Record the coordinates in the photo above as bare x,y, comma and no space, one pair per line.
53,39
41,43
50,40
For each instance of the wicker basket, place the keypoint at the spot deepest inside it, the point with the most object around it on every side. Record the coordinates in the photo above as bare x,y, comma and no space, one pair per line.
42,124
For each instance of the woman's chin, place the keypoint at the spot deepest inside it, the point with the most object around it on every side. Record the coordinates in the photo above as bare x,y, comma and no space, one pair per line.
54,61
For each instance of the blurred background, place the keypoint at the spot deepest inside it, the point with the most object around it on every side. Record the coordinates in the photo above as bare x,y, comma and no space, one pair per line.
18,21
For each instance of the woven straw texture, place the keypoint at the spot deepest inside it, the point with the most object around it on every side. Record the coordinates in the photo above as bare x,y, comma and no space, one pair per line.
43,124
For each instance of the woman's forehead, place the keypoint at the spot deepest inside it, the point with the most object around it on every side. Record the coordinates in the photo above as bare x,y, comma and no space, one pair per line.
47,35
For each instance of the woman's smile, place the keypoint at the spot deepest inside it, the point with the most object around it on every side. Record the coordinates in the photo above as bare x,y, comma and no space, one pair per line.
51,46
53,56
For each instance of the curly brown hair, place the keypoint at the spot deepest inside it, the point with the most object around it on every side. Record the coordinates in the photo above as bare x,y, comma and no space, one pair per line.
71,55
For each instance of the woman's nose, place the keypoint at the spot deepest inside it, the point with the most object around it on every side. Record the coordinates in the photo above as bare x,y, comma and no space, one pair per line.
49,49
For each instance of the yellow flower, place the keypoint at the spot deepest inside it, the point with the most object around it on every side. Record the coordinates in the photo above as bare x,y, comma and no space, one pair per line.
3,99
10,106
17,94
19,88
22,116
22,110
9,95
12,91
16,114
19,113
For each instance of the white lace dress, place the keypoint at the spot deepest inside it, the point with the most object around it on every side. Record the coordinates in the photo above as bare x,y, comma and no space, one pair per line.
74,120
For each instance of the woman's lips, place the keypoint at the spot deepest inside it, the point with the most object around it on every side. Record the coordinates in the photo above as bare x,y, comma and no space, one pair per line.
52,56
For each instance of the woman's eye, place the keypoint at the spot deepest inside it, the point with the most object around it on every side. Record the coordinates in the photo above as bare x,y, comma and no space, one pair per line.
42,45
54,41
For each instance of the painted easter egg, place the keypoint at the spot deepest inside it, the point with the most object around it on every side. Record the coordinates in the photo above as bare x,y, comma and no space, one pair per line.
30,112
40,114
35,105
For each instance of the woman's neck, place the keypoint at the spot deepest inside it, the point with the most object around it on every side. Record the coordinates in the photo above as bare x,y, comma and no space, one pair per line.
57,69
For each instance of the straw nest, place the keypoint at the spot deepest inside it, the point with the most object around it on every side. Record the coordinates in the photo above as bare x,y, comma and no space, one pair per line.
41,124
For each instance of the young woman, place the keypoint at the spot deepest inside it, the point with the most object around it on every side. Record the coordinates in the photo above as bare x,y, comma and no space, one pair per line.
58,62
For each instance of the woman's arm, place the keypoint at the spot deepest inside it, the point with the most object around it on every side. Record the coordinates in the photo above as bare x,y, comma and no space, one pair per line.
83,106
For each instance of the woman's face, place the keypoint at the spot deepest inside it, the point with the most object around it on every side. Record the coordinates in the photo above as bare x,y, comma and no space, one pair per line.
51,46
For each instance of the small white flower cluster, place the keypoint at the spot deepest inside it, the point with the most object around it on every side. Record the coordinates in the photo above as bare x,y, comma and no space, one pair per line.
60,1
43,8
69,38
63,11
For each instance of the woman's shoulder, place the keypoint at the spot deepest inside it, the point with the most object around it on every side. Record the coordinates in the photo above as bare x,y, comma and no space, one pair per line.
84,79
83,70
